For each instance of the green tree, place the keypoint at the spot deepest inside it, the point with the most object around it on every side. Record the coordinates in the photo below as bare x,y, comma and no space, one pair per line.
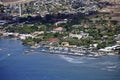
28,41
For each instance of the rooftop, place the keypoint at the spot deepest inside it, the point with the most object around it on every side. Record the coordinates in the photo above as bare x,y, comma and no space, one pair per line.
53,39
58,29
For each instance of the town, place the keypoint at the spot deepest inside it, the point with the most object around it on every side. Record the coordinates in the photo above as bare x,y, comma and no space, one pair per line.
74,26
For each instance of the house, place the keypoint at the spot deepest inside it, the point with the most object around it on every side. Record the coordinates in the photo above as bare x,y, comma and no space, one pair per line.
65,44
109,49
72,46
118,42
94,45
60,22
106,50
57,30
24,36
11,34
38,33
79,36
53,40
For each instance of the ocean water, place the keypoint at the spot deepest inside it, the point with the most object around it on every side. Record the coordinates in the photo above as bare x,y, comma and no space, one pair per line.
15,65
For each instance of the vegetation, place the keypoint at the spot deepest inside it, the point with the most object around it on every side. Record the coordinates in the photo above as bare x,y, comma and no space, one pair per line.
28,41
32,41
22,29
100,30
97,34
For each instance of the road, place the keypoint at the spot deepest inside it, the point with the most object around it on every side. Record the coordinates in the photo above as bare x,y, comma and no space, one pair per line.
7,2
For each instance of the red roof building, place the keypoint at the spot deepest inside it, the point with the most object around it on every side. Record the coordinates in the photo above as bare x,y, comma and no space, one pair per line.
58,29
53,39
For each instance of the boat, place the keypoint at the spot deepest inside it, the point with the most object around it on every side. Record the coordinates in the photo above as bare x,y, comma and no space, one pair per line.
8,54
111,54
90,55
43,50
27,51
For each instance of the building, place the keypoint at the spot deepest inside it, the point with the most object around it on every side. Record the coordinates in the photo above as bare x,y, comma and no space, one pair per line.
60,22
24,36
79,36
57,30
110,49
38,33
66,44
53,40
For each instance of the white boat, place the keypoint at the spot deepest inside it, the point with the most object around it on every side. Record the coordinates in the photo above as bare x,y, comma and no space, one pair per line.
96,55
66,49
81,54
43,50
76,53
37,46
32,50
111,54
57,51
8,54
110,67
90,55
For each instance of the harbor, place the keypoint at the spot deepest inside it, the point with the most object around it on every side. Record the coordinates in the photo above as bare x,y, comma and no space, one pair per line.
67,51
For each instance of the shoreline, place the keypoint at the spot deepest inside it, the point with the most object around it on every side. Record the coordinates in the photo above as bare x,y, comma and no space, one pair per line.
59,53
69,53
61,50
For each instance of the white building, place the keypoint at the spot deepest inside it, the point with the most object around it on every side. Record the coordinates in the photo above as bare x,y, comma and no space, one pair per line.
109,49
10,33
79,36
24,36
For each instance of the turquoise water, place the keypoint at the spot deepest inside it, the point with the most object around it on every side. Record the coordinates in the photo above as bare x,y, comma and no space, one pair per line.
15,65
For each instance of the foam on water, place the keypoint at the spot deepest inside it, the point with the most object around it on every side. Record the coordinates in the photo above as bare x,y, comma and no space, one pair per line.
71,59
112,67
109,66
107,69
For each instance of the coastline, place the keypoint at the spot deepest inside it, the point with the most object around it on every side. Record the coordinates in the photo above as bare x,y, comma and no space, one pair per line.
69,52
61,50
